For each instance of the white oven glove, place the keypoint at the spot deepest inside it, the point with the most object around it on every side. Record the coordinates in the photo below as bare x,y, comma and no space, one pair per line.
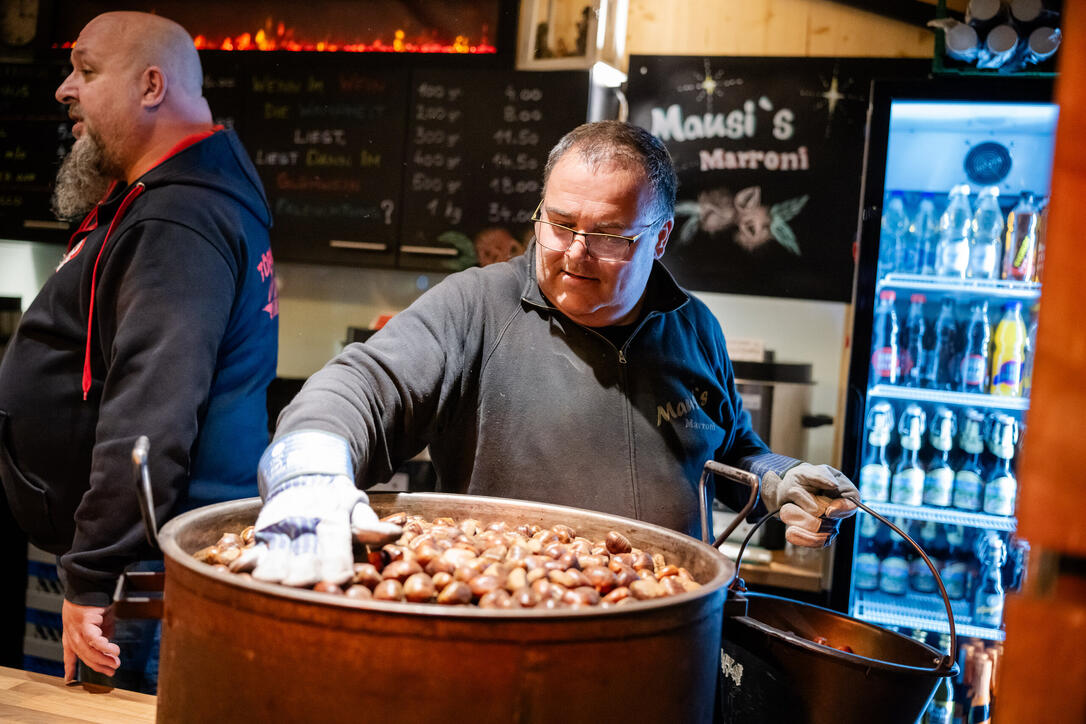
812,500
312,511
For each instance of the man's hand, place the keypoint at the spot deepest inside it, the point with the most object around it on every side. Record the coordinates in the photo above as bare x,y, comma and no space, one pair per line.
311,512
812,500
304,532
85,636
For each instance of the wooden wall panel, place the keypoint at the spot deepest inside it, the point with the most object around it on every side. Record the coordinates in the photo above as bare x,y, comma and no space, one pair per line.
770,27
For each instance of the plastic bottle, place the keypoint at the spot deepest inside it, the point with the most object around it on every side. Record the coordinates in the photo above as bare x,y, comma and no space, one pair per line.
969,480
987,227
884,350
988,600
939,478
908,483
869,552
914,356
875,470
955,225
939,374
895,235
974,367
924,231
1020,239
1001,490
1042,232
1009,352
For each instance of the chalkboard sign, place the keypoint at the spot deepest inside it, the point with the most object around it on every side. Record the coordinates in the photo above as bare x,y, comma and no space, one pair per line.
327,138
34,136
477,142
769,154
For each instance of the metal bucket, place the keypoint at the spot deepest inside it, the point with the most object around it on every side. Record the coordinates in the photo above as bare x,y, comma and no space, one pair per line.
233,647
773,671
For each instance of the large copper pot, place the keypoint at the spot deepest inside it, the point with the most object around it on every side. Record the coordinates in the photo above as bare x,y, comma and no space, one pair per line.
233,647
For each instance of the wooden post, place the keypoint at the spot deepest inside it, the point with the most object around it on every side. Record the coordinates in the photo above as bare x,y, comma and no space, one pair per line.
1043,667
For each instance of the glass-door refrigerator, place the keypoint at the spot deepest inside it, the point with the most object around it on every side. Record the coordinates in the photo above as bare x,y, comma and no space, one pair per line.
947,293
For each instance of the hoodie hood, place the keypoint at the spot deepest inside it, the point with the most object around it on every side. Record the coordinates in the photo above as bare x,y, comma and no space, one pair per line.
216,161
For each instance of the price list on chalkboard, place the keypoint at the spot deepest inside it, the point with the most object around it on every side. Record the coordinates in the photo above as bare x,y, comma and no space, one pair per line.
476,147
35,135
327,140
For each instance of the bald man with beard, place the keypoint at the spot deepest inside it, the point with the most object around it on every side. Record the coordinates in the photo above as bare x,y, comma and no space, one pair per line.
160,320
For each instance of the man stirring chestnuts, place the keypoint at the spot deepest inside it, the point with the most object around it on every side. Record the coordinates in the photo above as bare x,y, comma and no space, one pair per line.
577,374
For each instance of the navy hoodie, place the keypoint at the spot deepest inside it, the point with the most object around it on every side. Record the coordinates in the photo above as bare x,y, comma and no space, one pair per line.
162,320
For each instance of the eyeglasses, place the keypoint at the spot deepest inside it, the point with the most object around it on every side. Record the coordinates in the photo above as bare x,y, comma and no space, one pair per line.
605,247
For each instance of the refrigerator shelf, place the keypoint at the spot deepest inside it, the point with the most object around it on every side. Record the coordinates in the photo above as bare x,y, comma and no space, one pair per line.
947,516
982,287
920,611
965,399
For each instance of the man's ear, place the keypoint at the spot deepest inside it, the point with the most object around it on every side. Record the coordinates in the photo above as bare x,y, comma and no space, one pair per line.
152,87
662,237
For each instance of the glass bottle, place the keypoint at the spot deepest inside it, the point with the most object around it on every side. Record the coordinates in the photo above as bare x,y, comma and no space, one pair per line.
908,483
939,478
969,480
869,552
875,470
894,567
1001,490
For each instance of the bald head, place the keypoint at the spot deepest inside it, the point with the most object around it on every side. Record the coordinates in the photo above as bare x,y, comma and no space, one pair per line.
146,40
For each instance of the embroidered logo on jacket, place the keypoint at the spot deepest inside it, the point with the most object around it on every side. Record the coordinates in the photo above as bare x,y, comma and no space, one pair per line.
672,411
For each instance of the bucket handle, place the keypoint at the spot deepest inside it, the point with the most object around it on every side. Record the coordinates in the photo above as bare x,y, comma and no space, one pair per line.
142,475
744,477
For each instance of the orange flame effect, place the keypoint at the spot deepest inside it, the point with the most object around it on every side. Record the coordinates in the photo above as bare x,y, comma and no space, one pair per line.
283,39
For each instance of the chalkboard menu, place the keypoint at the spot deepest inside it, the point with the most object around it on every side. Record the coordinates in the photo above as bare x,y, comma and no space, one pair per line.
769,153
327,140
477,143
34,136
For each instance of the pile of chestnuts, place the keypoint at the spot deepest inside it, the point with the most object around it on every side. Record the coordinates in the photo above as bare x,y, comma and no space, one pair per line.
494,566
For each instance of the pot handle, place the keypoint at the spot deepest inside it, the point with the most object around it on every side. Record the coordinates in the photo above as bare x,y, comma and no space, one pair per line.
143,489
734,474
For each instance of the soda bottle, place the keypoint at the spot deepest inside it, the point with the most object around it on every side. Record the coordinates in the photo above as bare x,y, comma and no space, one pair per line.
974,367
920,576
969,480
875,471
925,233
988,600
1001,490
955,570
894,567
908,484
895,236
955,225
1020,243
1031,349
987,227
938,374
913,357
939,479
1009,352
869,552
884,351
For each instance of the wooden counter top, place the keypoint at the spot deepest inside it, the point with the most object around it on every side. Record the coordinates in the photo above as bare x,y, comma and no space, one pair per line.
31,698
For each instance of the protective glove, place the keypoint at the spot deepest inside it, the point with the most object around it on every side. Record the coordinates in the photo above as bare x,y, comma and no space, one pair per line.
311,512
812,500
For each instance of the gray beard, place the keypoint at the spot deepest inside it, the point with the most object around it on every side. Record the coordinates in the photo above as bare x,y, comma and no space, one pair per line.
81,182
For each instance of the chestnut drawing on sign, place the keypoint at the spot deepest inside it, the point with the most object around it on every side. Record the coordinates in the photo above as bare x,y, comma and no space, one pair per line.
716,211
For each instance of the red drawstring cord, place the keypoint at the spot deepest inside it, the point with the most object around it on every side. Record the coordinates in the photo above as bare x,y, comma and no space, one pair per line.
136,191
